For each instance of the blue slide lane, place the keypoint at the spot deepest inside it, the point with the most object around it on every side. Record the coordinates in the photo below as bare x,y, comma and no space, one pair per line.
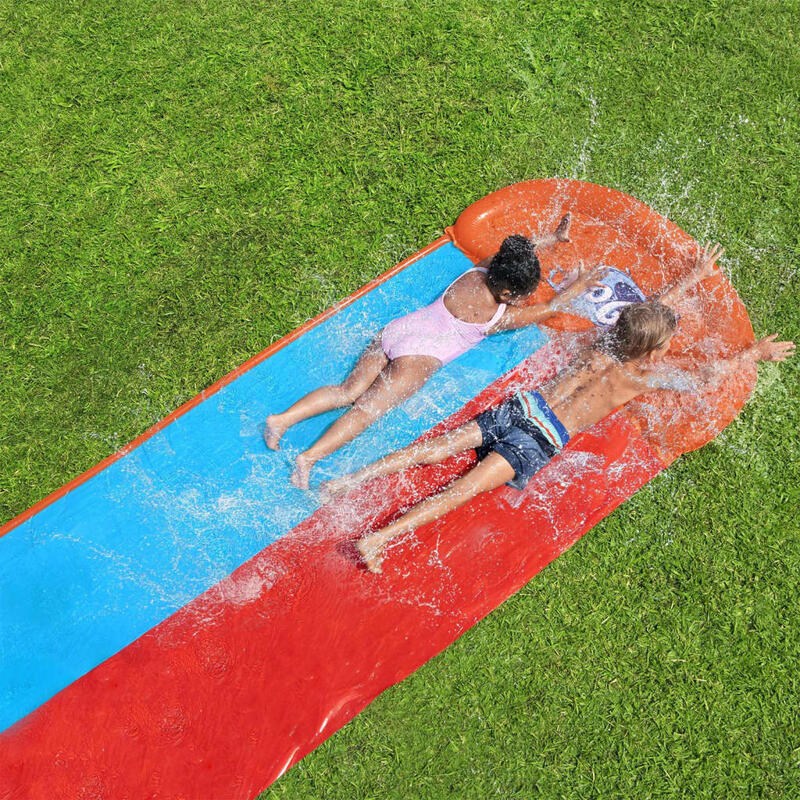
120,553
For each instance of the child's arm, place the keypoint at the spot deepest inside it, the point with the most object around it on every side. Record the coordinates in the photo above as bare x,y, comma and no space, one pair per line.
766,349
520,316
703,268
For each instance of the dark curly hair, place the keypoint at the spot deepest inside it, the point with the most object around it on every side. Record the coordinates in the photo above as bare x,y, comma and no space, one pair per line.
514,268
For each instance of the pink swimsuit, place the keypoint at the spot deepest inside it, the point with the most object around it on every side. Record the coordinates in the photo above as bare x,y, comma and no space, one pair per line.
434,331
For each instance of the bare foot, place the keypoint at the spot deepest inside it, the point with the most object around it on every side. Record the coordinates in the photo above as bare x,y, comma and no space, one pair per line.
372,553
335,487
562,231
273,431
302,470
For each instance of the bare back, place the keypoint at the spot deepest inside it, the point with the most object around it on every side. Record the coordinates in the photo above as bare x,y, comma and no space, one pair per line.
470,300
591,387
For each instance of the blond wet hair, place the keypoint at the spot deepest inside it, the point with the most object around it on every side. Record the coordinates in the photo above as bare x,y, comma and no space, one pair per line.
640,329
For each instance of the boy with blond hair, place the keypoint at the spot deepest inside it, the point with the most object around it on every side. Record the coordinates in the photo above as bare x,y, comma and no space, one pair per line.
516,439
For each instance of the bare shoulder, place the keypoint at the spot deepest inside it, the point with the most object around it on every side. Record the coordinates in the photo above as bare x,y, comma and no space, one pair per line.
589,366
469,283
469,298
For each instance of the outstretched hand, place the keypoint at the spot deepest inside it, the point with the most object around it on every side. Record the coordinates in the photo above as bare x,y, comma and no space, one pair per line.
585,279
767,349
706,260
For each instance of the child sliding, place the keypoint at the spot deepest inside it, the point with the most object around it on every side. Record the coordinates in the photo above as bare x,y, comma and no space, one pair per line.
516,439
486,299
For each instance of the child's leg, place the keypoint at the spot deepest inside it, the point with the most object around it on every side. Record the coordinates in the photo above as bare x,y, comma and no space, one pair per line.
492,472
431,451
396,383
367,368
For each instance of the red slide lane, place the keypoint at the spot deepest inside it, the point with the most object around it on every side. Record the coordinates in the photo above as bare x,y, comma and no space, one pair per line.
220,699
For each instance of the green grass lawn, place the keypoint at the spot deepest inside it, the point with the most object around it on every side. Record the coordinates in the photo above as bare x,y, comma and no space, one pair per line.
184,182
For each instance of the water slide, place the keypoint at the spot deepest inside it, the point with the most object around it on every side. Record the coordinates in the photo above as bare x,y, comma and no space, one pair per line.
180,622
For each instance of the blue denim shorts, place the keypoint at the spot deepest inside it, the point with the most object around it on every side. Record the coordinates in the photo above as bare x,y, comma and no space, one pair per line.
508,432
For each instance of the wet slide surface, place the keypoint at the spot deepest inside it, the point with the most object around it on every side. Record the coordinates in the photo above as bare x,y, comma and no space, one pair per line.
117,555
186,624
